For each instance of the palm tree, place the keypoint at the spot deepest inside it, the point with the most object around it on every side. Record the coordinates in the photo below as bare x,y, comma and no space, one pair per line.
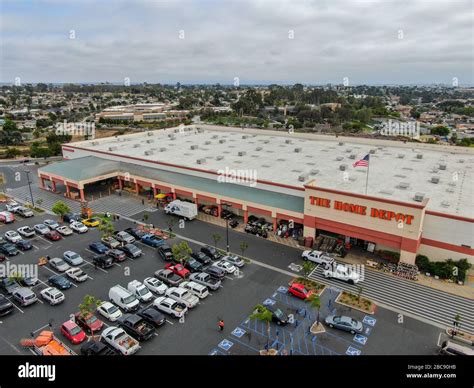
263,314
216,237
107,228
88,307
315,302
243,247
308,267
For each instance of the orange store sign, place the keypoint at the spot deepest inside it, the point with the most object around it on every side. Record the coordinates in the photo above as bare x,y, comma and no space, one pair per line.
362,210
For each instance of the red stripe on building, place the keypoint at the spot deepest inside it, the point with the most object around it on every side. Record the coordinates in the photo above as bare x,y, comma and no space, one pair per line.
447,246
281,216
165,189
233,204
143,183
68,149
452,216
183,192
205,198
259,211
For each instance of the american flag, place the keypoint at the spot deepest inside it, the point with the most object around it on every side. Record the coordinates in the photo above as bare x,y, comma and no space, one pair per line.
364,162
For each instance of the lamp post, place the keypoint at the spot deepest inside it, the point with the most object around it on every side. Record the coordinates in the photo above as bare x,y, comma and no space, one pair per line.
29,186
226,205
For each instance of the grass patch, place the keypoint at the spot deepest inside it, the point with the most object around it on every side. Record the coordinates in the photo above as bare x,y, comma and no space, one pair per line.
310,284
354,301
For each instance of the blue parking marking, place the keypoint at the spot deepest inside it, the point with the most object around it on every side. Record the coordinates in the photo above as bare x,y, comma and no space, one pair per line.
282,289
353,351
225,344
238,332
368,330
361,339
274,295
216,352
268,302
369,320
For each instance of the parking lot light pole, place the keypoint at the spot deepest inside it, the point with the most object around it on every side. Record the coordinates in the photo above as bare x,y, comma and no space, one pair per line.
29,186
226,205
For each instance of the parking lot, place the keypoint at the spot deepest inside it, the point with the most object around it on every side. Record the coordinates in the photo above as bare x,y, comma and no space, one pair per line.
198,334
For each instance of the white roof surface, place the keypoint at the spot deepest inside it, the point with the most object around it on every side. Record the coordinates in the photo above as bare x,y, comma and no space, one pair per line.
395,172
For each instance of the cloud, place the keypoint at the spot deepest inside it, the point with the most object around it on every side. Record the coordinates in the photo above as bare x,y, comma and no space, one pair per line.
312,42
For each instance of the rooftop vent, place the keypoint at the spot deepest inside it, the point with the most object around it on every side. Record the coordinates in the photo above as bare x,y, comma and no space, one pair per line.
266,141
299,149
450,190
372,151
201,161
136,146
403,185
149,133
149,141
303,177
339,158
343,167
401,156
419,156
244,137
445,204
280,160
348,150
258,149
194,147
94,143
148,153
419,197
461,161
242,153
215,136
313,172
222,141
207,142
162,149
112,148
442,166
352,156
435,179
341,143
287,141
219,157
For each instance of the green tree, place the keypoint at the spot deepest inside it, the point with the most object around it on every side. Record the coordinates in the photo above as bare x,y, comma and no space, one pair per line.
261,313
106,228
243,247
10,126
12,152
181,251
88,306
315,302
308,267
216,237
60,208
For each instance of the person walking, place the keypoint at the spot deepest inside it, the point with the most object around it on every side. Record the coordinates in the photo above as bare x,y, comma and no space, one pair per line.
143,201
221,325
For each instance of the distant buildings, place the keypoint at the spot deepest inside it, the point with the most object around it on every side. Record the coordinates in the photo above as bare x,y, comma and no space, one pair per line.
143,112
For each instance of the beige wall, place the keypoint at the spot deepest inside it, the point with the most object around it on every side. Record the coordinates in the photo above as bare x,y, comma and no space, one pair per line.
439,254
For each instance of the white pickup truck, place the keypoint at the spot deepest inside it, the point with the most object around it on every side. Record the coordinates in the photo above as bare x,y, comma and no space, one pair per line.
206,280
120,340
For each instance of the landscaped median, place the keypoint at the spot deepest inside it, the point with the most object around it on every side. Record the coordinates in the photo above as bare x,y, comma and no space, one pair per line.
356,302
311,285
461,336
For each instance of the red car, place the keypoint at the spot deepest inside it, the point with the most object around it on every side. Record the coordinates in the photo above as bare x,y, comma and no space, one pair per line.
89,323
73,332
300,291
53,235
178,269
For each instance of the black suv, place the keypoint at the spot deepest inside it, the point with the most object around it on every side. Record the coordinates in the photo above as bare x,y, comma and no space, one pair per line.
165,252
201,257
103,261
212,252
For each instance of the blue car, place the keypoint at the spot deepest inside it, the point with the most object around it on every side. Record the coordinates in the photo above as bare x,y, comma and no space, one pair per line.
99,248
152,240
60,282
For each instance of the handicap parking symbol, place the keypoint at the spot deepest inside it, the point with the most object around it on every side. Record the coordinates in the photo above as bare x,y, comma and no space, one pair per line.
226,344
238,332
368,330
369,320
353,351
360,339
268,302
282,289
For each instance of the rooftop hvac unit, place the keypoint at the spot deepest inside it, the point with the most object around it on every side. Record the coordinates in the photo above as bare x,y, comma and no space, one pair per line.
162,149
303,177
201,161
258,149
94,143
445,204
401,156
372,151
403,185
200,130
287,141
419,197
348,150
149,133
419,156
244,137
461,161
112,148
313,172
442,166
194,147
219,157
222,141
352,156
299,149
343,167
242,153
266,141
207,142
352,178
450,190
435,179
148,153
339,158
341,143
149,141
136,146
215,136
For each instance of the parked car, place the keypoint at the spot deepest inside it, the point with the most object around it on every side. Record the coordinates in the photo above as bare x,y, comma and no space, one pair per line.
206,280
78,227
131,250
89,322
196,289
12,236
7,217
52,295
109,311
168,277
73,332
9,249
178,269
6,307
211,252
64,230
201,257
170,306
299,290
71,217
8,285
118,339
117,255
317,257
135,232
215,272
77,275
124,237
51,224
53,235
165,252
26,231
278,316
28,281
72,258
225,265
155,285
103,261
234,260
342,272
227,214
123,298
24,245
96,348
345,323
110,242
12,206
98,247
193,265
60,282
182,295
152,240
141,291
92,222
24,212
24,296
137,327
59,264
152,316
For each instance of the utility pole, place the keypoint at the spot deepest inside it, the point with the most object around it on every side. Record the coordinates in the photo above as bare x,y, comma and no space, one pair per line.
29,186
226,205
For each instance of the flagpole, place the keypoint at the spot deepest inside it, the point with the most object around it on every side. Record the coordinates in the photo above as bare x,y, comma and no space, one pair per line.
367,178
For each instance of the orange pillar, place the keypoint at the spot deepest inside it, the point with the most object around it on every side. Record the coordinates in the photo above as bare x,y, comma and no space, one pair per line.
275,224
154,191
196,201
174,196
53,186
120,183
246,216
219,210
81,192
68,191
42,183
137,188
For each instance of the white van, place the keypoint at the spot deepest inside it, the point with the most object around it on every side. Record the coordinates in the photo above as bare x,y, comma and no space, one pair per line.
187,210
196,289
123,298
140,291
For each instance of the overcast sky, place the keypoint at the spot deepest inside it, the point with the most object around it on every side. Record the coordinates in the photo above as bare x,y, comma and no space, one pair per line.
258,41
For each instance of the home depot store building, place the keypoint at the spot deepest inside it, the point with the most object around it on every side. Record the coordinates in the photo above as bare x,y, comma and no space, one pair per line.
408,228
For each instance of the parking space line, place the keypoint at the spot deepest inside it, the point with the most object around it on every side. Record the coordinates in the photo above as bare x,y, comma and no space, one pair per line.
91,264
58,274
14,304
171,323
227,277
42,238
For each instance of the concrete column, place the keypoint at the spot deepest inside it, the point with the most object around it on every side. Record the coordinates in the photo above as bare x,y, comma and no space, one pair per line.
196,201
42,183
174,196
246,216
219,210
137,188
154,191
120,183
81,192
275,224
53,186
68,191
